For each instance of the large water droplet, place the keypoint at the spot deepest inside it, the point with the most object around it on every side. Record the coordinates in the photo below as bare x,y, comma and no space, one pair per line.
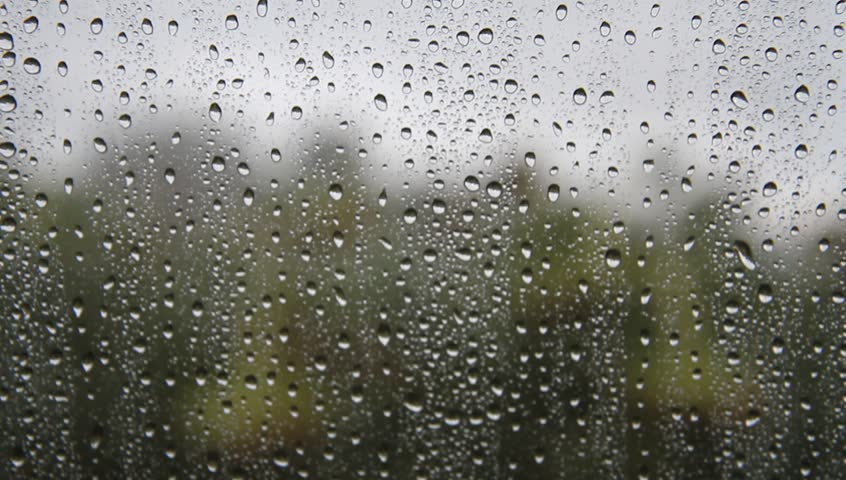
249,196
553,192
30,24
770,189
170,176
218,164
765,294
336,191
7,41
261,8
494,189
32,66
802,94
8,103
485,36
744,254
96,26
579,96
328,60
231,22
7,149
771,54
613,258
381,102
738,98
214,112
471,183
9,225
100,145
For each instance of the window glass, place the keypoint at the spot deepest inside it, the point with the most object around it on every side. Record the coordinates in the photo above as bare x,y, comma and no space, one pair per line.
422,239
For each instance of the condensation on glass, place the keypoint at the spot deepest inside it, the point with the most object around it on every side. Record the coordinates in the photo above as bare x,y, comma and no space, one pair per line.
422,239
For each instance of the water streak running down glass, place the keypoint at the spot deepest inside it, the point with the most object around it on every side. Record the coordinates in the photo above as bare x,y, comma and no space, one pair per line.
422,239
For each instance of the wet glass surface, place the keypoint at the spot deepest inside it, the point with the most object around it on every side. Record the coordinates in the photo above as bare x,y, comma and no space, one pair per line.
422,239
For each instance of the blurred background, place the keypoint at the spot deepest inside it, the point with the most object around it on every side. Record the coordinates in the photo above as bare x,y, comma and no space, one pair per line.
422,240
